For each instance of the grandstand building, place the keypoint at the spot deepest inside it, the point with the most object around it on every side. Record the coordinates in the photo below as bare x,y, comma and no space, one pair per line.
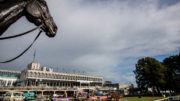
33,75
9,78
45,81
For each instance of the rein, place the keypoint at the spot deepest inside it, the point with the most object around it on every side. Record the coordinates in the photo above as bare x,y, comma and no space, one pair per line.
21,34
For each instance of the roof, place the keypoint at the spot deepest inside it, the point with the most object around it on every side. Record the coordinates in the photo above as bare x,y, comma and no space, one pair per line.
9,71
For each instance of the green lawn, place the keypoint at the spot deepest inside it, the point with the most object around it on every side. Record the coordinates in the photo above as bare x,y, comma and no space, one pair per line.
134,99
140,99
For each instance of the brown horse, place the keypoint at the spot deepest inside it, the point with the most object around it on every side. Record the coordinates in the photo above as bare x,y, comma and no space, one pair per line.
36,11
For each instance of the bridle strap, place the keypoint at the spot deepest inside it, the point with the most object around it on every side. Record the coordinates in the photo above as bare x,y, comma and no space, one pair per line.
21,34
24,50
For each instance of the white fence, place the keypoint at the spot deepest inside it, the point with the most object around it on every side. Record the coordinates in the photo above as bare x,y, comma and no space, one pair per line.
172,98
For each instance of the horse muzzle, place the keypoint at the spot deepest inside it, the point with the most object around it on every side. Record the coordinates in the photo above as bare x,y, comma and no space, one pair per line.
50,34
51,29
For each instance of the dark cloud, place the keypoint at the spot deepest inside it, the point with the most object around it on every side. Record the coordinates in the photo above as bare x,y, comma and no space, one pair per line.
168,2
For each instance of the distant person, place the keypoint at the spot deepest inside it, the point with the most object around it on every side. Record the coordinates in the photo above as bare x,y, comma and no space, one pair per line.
109,99
66,95
139,95
87,96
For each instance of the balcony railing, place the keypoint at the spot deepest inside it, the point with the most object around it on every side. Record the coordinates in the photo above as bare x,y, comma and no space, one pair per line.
36,88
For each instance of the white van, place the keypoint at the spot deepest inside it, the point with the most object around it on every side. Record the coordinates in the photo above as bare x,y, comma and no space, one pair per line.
13,96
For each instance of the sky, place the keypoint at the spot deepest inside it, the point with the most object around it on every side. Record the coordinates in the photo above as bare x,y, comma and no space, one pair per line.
99,37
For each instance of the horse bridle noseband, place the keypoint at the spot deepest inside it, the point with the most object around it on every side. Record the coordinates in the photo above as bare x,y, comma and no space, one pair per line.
24,33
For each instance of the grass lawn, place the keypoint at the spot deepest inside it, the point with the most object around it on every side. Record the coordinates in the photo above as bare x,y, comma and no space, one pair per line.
140,99
135,99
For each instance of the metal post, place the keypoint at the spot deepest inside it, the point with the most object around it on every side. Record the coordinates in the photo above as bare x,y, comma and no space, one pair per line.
42,93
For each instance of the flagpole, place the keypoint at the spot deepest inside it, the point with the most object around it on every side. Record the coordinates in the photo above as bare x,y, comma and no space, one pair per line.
34,56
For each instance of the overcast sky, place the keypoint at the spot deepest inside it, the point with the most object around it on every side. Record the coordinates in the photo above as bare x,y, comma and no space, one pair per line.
99,37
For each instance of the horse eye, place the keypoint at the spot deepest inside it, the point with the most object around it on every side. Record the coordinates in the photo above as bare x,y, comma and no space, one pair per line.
43,2
38,21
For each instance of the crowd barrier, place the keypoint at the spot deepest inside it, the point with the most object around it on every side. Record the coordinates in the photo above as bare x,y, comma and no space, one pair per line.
172,98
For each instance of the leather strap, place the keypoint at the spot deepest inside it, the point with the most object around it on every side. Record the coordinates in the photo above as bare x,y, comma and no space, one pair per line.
24,50
21,34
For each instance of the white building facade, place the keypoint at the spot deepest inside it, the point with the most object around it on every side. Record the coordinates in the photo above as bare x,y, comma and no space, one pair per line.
33,75
9,78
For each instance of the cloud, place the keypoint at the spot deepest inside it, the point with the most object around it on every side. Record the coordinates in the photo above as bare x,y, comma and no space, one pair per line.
103,38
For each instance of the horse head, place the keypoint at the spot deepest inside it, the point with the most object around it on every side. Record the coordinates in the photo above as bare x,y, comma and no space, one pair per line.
37,12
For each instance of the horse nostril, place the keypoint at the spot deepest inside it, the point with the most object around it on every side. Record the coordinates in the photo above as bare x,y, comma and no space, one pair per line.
50,34
55,29
53,35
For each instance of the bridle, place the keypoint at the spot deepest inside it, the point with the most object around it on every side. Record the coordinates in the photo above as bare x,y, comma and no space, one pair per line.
24,33
21,34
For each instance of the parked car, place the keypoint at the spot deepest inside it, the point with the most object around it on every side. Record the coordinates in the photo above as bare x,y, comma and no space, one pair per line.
13,96
1,97
29,96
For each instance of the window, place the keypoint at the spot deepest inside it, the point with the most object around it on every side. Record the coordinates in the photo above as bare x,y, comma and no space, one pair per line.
17,94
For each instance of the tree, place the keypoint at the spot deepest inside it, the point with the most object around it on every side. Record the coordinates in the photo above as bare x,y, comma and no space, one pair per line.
172,74
149,73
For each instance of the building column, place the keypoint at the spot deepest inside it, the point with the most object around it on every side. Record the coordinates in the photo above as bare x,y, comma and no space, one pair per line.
42,93
6,82
11,82
25,83
54,92
56,84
